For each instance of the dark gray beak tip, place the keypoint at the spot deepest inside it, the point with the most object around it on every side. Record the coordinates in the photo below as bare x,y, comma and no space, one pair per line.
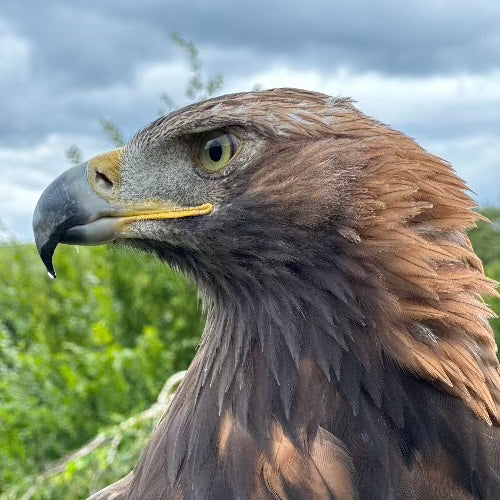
63,211
50,222
56,211
46,256
45,239
46,253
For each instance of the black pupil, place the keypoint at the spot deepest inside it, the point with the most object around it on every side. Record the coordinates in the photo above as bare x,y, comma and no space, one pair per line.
215,150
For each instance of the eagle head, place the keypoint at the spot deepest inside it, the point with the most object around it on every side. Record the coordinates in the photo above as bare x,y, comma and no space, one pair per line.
246,183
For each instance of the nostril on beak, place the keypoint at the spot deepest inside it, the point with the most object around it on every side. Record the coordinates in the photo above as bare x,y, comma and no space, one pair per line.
103,182
103,173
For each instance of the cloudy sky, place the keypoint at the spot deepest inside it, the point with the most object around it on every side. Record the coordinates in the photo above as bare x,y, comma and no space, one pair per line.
430,68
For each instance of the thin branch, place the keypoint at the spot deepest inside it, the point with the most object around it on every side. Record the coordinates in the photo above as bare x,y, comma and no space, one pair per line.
74,154
114,434
60,467
113,132
197,88
115,443
7,235
215,85
168,104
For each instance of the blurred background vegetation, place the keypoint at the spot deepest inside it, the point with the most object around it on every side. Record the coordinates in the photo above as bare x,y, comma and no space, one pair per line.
83,359
82,353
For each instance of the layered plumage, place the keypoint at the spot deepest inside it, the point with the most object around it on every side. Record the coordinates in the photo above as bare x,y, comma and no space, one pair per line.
347,351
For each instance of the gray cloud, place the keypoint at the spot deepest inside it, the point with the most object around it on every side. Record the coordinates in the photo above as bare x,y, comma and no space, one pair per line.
413,37
85,47
431,68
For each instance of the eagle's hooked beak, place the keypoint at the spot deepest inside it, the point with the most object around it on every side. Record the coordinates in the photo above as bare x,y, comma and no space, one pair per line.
81,207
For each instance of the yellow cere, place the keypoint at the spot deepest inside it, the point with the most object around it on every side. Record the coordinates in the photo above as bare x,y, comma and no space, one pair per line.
108,164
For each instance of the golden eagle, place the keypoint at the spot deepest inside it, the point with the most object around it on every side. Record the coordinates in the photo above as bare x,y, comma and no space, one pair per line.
347,351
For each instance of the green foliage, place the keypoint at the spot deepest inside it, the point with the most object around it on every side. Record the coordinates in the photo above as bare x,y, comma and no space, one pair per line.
197,88
82,476
486,242
486,238
493,271
108,457
74,154
85,351
168,104
114,134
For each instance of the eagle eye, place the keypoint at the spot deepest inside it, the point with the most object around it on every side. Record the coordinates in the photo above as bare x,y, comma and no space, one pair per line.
216,150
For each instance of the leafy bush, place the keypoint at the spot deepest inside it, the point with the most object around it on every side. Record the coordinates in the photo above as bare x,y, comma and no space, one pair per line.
486,242
493,271
84,351
486,238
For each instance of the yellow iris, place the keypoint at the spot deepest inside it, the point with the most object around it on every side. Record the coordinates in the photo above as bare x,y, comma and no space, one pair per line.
216,150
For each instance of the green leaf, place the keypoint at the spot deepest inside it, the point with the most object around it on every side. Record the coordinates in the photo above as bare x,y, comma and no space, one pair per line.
74,154
113,132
